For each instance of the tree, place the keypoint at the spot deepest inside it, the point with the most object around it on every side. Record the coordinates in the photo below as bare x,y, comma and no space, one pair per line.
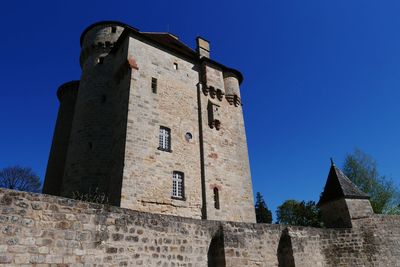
301,213
263,214
362,170
20,178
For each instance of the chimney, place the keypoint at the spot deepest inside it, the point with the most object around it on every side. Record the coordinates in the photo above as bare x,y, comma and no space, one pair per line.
203,47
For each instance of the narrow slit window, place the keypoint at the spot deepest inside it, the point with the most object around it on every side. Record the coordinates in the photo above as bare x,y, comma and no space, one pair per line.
178,185
100,60
154,85
175,66
164,140
216,198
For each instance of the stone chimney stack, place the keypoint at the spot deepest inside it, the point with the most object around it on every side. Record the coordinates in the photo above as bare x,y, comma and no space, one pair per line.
203,47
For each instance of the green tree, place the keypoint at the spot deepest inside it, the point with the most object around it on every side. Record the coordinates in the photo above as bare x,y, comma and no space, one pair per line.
301,213
20,178
263,214
362,170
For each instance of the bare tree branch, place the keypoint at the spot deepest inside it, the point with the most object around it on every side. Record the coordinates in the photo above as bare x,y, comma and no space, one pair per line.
20,178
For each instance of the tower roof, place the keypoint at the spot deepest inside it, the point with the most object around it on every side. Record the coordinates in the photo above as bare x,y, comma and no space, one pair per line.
339,186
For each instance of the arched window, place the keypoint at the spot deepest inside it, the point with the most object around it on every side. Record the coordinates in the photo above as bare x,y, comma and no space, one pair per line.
216,198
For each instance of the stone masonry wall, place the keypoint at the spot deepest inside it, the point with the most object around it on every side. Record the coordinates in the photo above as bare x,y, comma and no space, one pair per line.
226,158
147,178
45,230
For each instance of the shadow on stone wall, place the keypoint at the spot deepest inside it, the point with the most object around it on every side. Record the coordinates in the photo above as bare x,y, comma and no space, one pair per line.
216,250
285,250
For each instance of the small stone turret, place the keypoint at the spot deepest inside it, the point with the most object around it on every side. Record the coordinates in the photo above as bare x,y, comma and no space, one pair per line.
67,94
232,90
98,40
342,202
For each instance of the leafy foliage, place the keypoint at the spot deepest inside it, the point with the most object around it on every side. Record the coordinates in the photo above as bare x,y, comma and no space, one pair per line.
263,214
362,170
92,196
301,213
20,178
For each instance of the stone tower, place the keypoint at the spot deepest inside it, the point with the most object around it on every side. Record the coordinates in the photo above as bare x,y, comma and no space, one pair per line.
66,94
155,125
342,202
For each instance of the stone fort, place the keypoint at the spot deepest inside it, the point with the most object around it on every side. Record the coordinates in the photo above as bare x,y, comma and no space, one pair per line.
158,128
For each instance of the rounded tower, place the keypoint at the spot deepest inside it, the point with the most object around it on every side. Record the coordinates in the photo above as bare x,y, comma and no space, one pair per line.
232,89
89,154
66,94
97,40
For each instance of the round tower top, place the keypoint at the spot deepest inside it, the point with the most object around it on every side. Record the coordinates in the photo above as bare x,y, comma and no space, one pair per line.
104,23
68,87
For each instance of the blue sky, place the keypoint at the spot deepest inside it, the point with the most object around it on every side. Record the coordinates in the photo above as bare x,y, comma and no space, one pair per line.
320,78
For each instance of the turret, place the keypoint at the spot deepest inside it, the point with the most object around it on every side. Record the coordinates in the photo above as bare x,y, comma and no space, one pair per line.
232,90
342,202
67,94
97,41
89,156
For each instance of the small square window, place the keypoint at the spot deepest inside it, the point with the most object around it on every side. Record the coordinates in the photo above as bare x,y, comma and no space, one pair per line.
113,29
175,66
154,85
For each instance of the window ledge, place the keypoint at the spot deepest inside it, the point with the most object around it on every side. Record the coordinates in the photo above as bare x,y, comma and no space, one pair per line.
178,198
165,150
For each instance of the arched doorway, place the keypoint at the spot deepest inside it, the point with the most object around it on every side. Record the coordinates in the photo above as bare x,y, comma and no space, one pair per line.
216,250
285,250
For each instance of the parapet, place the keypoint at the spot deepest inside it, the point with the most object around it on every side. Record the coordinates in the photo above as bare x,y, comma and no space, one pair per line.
68,88
114,236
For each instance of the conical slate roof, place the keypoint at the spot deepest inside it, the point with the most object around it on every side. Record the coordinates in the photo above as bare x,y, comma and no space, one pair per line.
339,186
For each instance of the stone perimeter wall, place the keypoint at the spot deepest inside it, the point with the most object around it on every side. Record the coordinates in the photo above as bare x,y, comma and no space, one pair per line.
43,230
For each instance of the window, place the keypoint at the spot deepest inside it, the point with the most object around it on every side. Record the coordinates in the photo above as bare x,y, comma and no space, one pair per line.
178,185
175,66
216,198
188,136
100,60
164,139
113,29
154,85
